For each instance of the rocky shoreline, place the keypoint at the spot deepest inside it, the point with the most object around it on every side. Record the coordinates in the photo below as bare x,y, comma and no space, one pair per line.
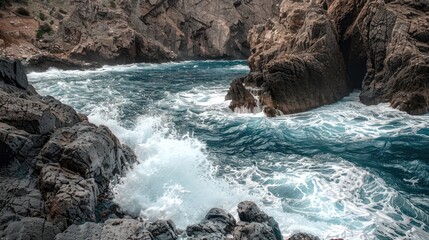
317,52
56,168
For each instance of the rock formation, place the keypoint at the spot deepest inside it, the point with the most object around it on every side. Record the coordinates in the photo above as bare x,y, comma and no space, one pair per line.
127,31
54,163
386,47
303,61
296,63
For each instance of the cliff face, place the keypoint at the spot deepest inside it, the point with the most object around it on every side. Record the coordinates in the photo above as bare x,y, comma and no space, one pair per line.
296,63
318,51
386,47
125,31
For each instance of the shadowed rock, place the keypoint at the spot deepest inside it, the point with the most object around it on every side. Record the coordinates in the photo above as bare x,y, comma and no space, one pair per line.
296,60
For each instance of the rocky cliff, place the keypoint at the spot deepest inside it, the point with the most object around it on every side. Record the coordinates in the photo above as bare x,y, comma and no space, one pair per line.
318,51
126,31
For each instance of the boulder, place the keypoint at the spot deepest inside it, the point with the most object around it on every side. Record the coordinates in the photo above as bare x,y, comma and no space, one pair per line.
253,230
216,225
296,60
90,151
30,228
303,236
249,212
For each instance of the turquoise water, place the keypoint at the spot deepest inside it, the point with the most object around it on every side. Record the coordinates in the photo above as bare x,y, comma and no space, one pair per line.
343,170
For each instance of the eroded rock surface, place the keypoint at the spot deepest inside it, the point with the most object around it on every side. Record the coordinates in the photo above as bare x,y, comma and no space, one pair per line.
54,164
296,63
319,50
387,44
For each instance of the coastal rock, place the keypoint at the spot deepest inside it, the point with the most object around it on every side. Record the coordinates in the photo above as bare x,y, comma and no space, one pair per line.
385,45
216,225
296,60
54,165
303,236
40,63
253,230
96,33
30,228
90,151
249,212
205,29
156,31
121,229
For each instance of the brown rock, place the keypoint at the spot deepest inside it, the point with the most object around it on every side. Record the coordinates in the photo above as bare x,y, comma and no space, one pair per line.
299,60
386,46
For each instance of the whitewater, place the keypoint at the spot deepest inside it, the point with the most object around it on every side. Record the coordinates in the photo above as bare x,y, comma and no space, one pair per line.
343,170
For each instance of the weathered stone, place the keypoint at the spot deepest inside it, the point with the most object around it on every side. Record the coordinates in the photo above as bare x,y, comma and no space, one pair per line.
30,228
253,230
87,231
162,230
217,225
385,45
303,236
296,61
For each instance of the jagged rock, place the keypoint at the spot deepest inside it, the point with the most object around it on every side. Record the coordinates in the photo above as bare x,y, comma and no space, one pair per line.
303,236
40,63
296,60
162,230
385,44
159,30
69,197
30,228
216,225
53,166
249,212
12,73
240,97
33,117
87,231
253,230
90,151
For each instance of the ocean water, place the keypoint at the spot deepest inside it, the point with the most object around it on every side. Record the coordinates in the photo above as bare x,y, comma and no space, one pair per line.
342,170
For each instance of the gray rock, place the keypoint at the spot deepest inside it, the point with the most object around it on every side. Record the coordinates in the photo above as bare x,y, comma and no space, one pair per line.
253,230
303,236
162,230
30,228
91,151
87,231
216,225
249,212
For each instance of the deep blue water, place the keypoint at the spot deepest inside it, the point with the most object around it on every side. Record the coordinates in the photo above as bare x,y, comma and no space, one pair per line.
343,170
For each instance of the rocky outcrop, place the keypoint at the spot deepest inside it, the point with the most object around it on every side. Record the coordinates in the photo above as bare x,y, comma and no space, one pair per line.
40,63
296,63
387,44
54,165
304,61
160,30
